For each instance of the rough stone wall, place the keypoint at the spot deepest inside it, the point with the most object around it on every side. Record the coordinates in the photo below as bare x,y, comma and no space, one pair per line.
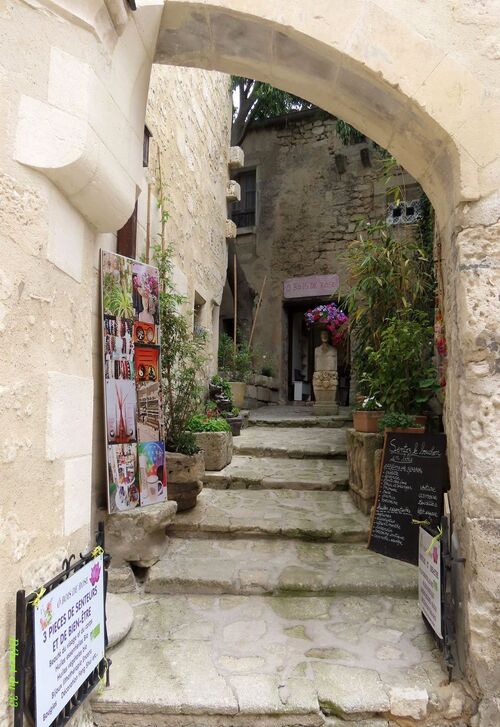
189,115
307,212
52,458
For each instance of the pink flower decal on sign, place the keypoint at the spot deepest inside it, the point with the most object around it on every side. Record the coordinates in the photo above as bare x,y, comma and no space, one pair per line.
46,619
435,554
95,574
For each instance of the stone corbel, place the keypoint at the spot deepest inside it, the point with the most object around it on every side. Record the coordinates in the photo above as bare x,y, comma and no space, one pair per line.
236,158
231,230
117,10
233,191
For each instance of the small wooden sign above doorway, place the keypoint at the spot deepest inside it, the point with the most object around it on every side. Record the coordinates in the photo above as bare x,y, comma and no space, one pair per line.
310,286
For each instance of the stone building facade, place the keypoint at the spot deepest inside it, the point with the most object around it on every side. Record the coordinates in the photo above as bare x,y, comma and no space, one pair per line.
311,191
53,451
421,79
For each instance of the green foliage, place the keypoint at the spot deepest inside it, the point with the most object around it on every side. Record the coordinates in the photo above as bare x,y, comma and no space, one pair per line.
388,276
202,423
267,371
222,383
117,297
399,374
258,100
183,359
347,133
234,365
186,444
369,403
230,414
395,420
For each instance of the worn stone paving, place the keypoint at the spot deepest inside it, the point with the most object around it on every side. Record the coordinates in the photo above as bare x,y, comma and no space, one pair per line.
296,442
284,657
286,513
250,472
257,566
294,416
267,609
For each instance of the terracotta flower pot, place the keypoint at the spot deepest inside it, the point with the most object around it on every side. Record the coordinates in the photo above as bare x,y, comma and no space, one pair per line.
367,421
184,478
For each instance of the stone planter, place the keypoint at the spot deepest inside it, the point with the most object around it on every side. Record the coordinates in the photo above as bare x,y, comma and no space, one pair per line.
184,478
138,536
366,421
235,423
217,448
238,392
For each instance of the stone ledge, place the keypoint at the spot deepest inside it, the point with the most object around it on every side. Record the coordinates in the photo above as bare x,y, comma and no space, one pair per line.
230,230
233,191
236,158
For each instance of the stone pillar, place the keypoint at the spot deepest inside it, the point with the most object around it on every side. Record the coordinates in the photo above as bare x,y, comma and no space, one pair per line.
472,315
325,392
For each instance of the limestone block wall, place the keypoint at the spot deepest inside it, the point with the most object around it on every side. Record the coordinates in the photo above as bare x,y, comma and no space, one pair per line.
307,212
56,73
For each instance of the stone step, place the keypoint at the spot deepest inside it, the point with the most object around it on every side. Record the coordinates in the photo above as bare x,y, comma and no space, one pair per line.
259,566
269,513
297,416
296,443
267,473
221,661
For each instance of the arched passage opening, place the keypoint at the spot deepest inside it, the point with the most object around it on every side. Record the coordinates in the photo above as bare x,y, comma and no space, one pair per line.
367,65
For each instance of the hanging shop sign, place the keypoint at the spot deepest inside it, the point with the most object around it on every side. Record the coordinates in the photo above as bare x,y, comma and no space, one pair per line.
131,348
310,286
429,579
413,478
61,640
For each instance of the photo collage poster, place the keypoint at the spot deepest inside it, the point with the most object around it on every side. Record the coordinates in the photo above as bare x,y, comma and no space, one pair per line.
131,350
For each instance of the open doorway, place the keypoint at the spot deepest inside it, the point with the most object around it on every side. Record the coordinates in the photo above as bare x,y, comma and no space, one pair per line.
302,341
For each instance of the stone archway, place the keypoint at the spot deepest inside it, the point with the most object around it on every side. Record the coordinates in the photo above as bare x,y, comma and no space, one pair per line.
431,103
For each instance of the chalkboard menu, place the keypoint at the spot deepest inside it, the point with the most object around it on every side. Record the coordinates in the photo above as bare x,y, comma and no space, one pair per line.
414,475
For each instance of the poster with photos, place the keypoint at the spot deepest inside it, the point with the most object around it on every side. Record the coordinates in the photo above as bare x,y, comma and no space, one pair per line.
136,471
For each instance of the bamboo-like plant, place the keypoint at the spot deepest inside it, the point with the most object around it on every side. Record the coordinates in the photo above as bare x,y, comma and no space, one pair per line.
183,360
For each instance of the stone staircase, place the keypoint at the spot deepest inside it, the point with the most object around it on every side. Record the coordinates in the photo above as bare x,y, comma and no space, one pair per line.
267,608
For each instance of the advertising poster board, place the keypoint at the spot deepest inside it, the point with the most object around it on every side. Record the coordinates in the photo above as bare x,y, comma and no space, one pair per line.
131,351
429,580
414,475
68,629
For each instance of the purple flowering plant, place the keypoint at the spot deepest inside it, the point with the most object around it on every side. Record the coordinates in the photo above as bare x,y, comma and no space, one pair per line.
332,317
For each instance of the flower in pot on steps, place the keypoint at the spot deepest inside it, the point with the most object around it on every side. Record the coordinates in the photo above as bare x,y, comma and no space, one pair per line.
235,365
367,416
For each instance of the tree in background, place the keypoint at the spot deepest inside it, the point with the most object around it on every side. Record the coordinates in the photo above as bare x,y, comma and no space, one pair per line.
257,100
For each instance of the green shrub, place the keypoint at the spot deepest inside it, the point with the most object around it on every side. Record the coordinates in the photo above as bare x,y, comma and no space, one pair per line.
394,420
202,423
224,385
399,374
234,365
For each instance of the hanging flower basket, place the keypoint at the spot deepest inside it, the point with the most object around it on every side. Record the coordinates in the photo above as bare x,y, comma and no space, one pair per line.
330,317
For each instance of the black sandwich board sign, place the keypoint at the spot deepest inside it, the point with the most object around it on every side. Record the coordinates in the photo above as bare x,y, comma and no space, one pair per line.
413,477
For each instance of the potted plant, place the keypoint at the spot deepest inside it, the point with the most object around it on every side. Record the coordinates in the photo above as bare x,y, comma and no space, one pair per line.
213,435
400,374
366,418
396,422
235,364
183,363
234,420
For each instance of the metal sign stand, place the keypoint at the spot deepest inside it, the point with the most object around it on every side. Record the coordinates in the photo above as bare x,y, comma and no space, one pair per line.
24,699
